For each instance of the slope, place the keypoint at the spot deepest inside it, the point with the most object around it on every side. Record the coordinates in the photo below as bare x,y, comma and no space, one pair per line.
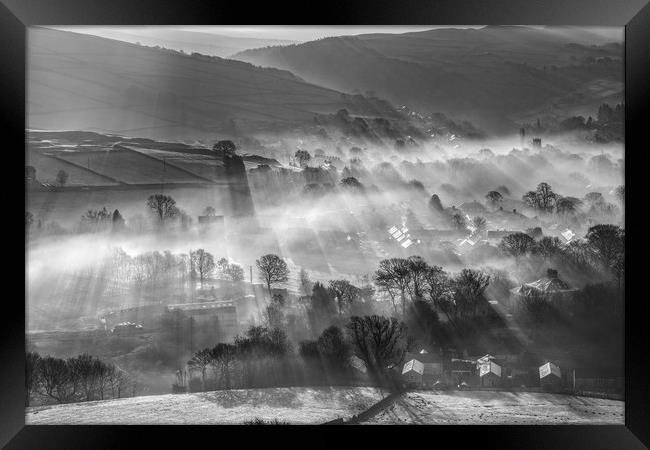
82,82
492,76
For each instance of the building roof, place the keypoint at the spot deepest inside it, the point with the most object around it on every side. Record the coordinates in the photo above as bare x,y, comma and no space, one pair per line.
485,359
490,367
548,285
413,365
544,285
548,369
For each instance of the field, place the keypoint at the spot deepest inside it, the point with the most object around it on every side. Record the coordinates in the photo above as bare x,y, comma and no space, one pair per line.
131,167
47,168
497,408
293,405
319,405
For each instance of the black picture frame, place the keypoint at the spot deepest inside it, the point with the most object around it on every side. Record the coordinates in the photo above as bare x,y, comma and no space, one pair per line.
16,15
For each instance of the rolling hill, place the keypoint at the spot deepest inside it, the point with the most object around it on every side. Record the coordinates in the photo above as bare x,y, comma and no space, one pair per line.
493,76
88,83
179,39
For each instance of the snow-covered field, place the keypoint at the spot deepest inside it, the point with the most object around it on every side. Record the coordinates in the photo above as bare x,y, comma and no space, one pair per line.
318,405
292,405
492,408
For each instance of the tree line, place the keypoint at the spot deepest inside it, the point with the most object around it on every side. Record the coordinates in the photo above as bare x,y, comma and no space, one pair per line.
82,378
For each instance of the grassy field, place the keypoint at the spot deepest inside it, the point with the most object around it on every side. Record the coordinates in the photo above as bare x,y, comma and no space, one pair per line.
292,405
131,167
499,408
318,405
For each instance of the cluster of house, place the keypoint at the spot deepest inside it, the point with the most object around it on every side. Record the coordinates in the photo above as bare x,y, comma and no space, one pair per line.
431,371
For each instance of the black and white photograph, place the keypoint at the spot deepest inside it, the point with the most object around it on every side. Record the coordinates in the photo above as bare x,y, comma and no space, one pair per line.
313,224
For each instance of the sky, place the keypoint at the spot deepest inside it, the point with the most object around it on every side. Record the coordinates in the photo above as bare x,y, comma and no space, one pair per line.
298,33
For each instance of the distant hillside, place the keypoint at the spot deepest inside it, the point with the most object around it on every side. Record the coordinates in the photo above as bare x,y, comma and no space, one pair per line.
188,41
87,83
494,76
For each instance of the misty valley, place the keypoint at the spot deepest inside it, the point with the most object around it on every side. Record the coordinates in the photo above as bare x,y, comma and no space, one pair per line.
212,241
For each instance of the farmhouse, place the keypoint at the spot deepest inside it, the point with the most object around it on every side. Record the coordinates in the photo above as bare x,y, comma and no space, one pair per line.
490,373
550,376
433,367
412,373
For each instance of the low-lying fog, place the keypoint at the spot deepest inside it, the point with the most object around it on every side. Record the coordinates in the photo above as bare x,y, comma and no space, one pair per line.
332,229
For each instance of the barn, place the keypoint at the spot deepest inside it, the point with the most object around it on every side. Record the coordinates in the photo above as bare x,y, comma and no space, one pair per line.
550,376
412,373
490,373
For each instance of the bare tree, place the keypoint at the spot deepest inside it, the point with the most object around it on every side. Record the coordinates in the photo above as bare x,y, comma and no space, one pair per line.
376,340
200,361
223,357
272,269
418,269
543,198
469,287
57,379
118,380
546,197
517,244
394,274
345,294
163,206
438,290
85,369
548,247
203,263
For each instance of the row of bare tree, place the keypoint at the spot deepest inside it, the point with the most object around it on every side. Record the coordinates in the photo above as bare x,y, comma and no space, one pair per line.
82,378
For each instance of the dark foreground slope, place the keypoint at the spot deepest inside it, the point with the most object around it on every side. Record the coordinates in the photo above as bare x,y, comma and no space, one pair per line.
493,76
81,82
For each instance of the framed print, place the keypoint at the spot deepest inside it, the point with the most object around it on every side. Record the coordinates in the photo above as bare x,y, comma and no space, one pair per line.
397,215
